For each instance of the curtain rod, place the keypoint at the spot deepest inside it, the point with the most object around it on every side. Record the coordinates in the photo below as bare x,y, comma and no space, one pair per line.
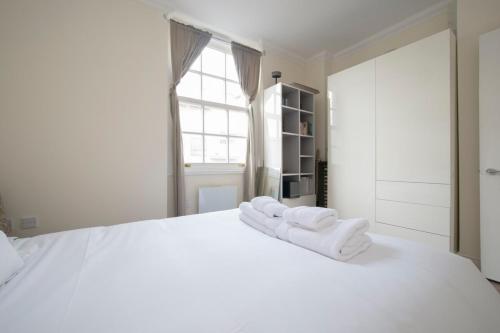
216,35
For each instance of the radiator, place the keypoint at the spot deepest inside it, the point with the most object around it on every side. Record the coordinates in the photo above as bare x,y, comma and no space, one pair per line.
212,199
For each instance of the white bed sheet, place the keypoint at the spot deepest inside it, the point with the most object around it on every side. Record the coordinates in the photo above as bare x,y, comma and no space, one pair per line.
213,273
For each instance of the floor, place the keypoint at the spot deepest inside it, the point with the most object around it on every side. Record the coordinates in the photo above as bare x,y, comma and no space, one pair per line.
496,285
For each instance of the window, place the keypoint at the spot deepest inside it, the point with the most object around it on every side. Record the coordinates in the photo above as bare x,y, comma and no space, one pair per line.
213,109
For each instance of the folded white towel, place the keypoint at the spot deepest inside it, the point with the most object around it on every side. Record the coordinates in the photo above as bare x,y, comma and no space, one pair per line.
257,225
354,247
349,238
259,202
282,231
247,209
341,241
274,209
311,218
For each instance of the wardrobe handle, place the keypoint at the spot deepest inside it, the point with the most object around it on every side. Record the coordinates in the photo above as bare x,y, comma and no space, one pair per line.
492,171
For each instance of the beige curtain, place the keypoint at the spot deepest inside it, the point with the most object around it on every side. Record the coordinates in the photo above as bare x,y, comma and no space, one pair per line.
187,43
247,63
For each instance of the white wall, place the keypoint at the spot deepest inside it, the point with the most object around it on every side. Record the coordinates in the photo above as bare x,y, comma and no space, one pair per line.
83,112
316,77
292,69
397,39
85,123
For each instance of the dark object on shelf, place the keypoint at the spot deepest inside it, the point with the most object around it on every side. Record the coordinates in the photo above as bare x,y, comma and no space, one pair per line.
291,189
276,75
322,195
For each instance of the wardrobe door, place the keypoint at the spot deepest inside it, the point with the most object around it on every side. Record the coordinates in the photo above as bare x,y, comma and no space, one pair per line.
351,152
415,141
413,112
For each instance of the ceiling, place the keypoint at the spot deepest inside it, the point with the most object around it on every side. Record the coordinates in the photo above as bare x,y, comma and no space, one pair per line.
302,27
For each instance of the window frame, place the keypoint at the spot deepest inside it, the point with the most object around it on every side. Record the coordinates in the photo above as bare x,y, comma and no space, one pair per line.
218,167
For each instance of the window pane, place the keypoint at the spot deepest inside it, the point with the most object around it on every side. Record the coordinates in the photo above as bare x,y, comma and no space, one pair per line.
193,148
235,95
196,66
238,123
231,73
213,62
213,89
215,149
215,120
190,86
191,117
237,150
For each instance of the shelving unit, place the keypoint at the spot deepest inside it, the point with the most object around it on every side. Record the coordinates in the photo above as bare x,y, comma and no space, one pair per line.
289,139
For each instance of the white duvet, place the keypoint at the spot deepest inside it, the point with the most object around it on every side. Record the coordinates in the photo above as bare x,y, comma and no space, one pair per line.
213,273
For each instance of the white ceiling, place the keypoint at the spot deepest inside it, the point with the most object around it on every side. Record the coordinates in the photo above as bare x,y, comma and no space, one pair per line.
303,27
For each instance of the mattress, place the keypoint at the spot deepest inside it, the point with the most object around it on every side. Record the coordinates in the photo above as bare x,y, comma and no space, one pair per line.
212,273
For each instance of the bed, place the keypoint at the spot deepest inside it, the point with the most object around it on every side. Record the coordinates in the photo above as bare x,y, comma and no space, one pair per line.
212,273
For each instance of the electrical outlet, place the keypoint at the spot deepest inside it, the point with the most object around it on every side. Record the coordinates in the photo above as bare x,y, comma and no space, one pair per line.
29,222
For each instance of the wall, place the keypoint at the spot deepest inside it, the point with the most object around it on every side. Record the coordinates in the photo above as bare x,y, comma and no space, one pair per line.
83,109
292,70
473,19
85,128
316,77
397,39
311,72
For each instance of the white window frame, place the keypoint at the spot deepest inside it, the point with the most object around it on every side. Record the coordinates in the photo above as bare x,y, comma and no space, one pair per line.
214,168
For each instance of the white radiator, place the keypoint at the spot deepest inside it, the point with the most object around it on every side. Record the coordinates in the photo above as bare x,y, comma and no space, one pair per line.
212,199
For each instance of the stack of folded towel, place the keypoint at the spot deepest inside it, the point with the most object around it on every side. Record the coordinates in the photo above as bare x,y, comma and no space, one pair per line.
318,229
263,213
314,228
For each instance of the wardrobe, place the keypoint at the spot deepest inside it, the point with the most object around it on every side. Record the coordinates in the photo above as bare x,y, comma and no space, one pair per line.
392,142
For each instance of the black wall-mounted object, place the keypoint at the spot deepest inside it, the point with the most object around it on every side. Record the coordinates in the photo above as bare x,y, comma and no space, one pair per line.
276,75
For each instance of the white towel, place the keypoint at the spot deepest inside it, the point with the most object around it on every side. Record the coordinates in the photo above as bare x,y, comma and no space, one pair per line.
259,202
311,218
349,238
282,231
256,225
341,241
271,223
274,209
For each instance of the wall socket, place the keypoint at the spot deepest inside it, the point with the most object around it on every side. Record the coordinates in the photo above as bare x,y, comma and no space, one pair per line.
28,222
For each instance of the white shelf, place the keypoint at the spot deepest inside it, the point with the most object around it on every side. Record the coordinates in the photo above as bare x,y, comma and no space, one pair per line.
292,153
306,101
289,108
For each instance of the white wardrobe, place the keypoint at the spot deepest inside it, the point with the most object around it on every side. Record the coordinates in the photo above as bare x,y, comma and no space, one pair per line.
392,136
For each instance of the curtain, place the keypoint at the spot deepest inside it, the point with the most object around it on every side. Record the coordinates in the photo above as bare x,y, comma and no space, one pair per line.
247,63
186,43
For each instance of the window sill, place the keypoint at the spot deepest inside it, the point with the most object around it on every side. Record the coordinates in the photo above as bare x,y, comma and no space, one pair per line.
213,169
